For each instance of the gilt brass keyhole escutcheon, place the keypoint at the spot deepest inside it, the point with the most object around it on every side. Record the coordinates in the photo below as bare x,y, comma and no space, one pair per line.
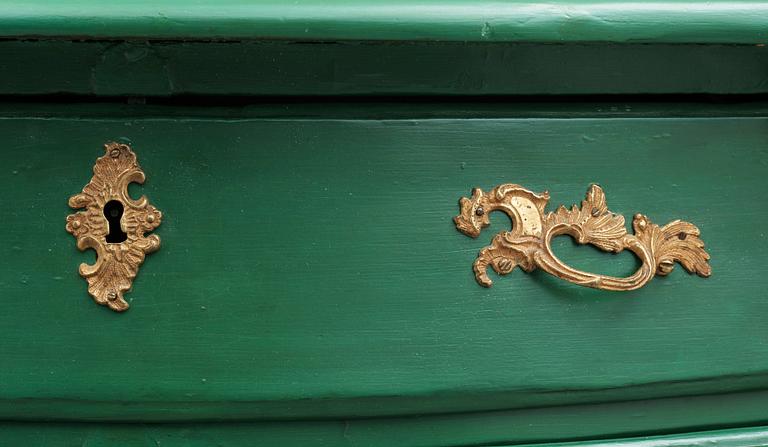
529,243
113,224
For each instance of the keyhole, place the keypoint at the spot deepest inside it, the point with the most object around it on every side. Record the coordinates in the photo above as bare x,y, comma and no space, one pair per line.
113,211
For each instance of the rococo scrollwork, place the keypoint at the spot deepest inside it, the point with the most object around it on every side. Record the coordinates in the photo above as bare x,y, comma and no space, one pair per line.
529,243
120,243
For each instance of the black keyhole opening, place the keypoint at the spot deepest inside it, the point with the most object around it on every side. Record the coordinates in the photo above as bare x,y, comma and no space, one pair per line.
113,211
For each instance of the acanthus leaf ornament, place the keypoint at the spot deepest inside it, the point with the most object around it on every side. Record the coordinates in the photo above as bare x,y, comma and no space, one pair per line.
529,243
108,212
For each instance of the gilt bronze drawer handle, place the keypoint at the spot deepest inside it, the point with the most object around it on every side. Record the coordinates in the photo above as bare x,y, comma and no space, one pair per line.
529,244
113,224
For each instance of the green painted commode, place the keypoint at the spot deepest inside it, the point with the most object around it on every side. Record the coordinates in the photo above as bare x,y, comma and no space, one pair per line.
311,287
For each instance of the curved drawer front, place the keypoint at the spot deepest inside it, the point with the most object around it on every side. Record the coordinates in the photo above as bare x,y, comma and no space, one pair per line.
310,265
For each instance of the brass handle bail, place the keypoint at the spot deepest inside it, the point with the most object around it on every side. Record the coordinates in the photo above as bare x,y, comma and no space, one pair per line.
529,243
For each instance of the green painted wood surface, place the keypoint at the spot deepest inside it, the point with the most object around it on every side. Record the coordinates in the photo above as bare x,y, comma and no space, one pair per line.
455,20
310,267
740,437
572,423
108,68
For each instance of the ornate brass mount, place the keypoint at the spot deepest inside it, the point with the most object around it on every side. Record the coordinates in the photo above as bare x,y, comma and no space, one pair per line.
113,224
529,244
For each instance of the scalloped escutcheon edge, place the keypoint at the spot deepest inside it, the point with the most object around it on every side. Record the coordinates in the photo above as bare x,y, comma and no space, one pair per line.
117,263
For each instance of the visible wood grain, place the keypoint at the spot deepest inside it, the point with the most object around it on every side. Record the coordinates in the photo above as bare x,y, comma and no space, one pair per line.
577,424
310,268
438,20
141,68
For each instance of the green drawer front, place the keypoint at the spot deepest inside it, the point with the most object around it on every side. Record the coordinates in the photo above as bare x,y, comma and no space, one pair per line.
310,268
